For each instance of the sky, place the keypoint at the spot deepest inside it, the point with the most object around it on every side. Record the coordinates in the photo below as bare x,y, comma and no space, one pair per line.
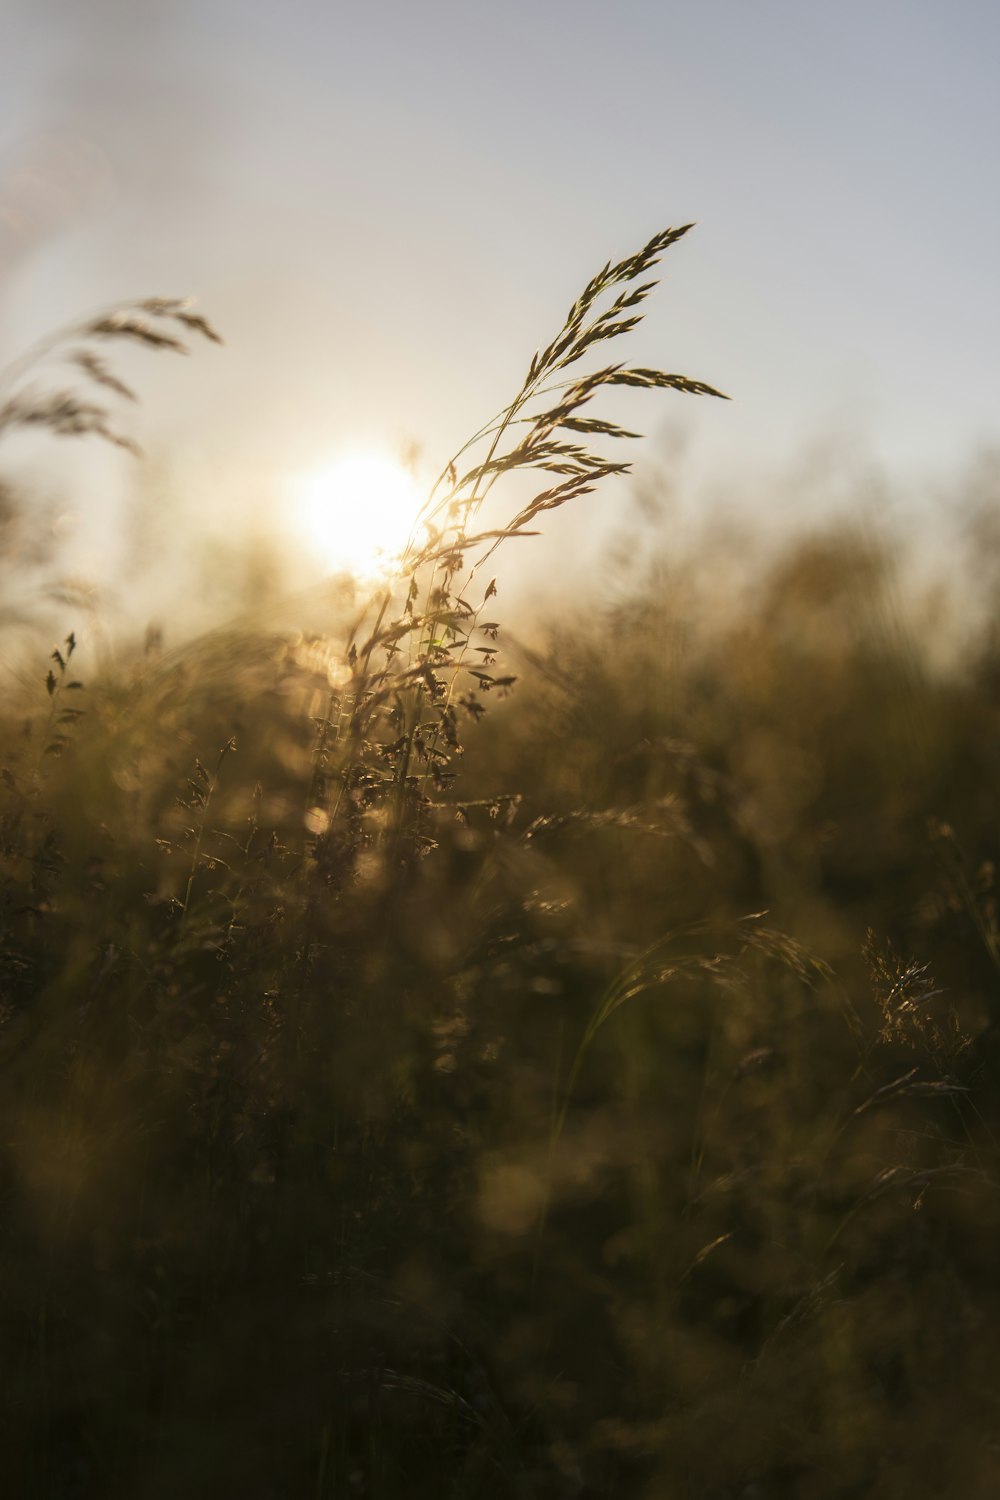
387,207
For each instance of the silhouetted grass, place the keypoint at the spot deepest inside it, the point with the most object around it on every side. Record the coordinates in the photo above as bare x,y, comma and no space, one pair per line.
607,1111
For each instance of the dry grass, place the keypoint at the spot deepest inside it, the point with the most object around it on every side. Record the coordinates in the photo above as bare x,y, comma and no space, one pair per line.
384,1120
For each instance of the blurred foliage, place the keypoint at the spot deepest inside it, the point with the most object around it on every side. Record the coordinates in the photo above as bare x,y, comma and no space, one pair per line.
631,1133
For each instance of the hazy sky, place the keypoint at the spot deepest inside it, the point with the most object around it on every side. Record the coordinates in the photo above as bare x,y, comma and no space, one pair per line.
386,207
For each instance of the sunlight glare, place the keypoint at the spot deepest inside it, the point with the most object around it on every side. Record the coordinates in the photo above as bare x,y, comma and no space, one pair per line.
358,512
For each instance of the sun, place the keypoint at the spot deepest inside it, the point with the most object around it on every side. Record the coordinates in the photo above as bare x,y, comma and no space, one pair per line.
357,512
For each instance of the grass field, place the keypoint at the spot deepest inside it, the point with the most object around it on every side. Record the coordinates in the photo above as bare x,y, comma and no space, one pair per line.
418,1082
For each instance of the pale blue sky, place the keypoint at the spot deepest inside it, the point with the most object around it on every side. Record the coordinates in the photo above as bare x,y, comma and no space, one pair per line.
387,206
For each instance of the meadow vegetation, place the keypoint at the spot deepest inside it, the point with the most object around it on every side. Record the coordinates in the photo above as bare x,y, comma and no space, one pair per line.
440,1066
